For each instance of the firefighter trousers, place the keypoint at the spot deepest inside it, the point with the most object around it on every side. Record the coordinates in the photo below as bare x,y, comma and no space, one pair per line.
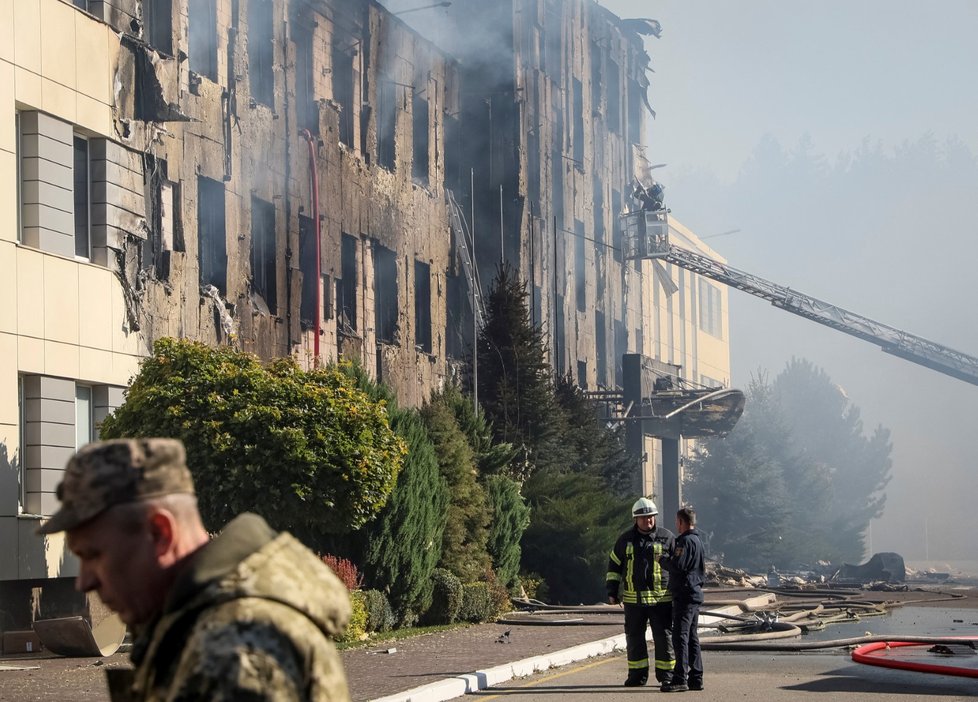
686,641
637,618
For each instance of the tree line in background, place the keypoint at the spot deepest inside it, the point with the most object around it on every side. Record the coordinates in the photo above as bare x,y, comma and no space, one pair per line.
797,481
440,513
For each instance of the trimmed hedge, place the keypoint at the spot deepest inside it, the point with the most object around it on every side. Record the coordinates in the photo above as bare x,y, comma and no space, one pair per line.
446,600
477,605
380,616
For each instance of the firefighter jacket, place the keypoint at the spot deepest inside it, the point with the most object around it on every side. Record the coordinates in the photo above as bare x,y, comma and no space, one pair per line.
253,618
634,566
687,568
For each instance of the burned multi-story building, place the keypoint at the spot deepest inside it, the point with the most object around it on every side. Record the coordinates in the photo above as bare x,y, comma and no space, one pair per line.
304,178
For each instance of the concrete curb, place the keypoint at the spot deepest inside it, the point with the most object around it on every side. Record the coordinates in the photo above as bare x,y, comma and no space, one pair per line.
457,686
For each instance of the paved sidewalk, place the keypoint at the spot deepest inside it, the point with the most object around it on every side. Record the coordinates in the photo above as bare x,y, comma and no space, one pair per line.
432,658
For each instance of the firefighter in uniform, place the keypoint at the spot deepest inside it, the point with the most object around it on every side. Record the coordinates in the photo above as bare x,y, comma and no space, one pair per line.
634,569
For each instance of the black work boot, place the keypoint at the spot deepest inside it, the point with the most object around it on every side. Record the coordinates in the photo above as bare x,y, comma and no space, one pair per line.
636,680
674,687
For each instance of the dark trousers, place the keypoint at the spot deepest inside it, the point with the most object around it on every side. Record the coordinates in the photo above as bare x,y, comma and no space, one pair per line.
637,617
686,641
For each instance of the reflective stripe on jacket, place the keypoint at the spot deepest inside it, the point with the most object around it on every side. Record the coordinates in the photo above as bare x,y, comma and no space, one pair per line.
633,565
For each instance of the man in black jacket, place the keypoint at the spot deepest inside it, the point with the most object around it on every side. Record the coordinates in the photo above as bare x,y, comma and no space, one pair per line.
633,566
686,566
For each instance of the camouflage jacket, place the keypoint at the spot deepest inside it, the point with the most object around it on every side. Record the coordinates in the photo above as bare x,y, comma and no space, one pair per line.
252,619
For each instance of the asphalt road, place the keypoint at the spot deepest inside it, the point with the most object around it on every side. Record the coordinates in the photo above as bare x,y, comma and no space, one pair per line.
828,677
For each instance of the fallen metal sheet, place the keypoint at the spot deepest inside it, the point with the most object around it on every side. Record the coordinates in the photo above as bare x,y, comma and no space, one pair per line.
74,636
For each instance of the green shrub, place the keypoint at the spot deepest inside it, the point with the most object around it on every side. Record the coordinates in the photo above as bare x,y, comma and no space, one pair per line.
498,594
446,598
357,628
477,605
406,618
306,449
380,616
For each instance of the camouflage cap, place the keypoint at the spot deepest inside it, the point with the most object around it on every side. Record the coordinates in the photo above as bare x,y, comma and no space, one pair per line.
107,473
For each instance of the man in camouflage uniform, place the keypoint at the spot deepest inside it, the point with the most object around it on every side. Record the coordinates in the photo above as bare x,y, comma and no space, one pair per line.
249,615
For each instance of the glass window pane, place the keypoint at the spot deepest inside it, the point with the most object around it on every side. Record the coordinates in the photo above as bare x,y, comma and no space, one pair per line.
83,416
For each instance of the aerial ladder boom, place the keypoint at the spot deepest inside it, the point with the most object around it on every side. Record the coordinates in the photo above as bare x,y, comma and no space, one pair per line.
650,239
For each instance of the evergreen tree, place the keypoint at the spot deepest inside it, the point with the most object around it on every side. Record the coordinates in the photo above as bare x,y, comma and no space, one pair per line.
463,546
510,518
401,547
736,484
492,457
575,521
597,449
828,428
515,383
399,550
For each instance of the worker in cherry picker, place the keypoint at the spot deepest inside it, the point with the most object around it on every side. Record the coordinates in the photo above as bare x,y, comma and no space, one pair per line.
649,198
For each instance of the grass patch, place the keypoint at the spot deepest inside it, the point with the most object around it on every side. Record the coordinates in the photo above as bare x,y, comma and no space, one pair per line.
398,634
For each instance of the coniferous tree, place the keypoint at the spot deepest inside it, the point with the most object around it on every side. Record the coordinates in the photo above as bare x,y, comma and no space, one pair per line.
575,521
399,550
492,456
737,486
828,428
515,382
401,547
463,545
510,518
598,449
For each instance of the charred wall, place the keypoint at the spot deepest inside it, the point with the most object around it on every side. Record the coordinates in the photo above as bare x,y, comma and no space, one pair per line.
554,98
291,121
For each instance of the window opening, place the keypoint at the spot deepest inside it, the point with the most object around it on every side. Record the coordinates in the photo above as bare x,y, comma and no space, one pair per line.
346,298
385,294
260,51
559,328
307,110
578,124
84,416
711,309
263,269
601,344
614,97
616,230
82,180
422,306
386,123
158,23
307,264
419,129
342,74
202,30
211,234
580,265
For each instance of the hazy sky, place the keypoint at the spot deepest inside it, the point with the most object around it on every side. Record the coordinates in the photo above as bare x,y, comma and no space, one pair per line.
726,73
838,74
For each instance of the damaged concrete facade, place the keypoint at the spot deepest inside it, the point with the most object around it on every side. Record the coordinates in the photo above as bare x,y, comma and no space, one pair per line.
553,140
274,174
